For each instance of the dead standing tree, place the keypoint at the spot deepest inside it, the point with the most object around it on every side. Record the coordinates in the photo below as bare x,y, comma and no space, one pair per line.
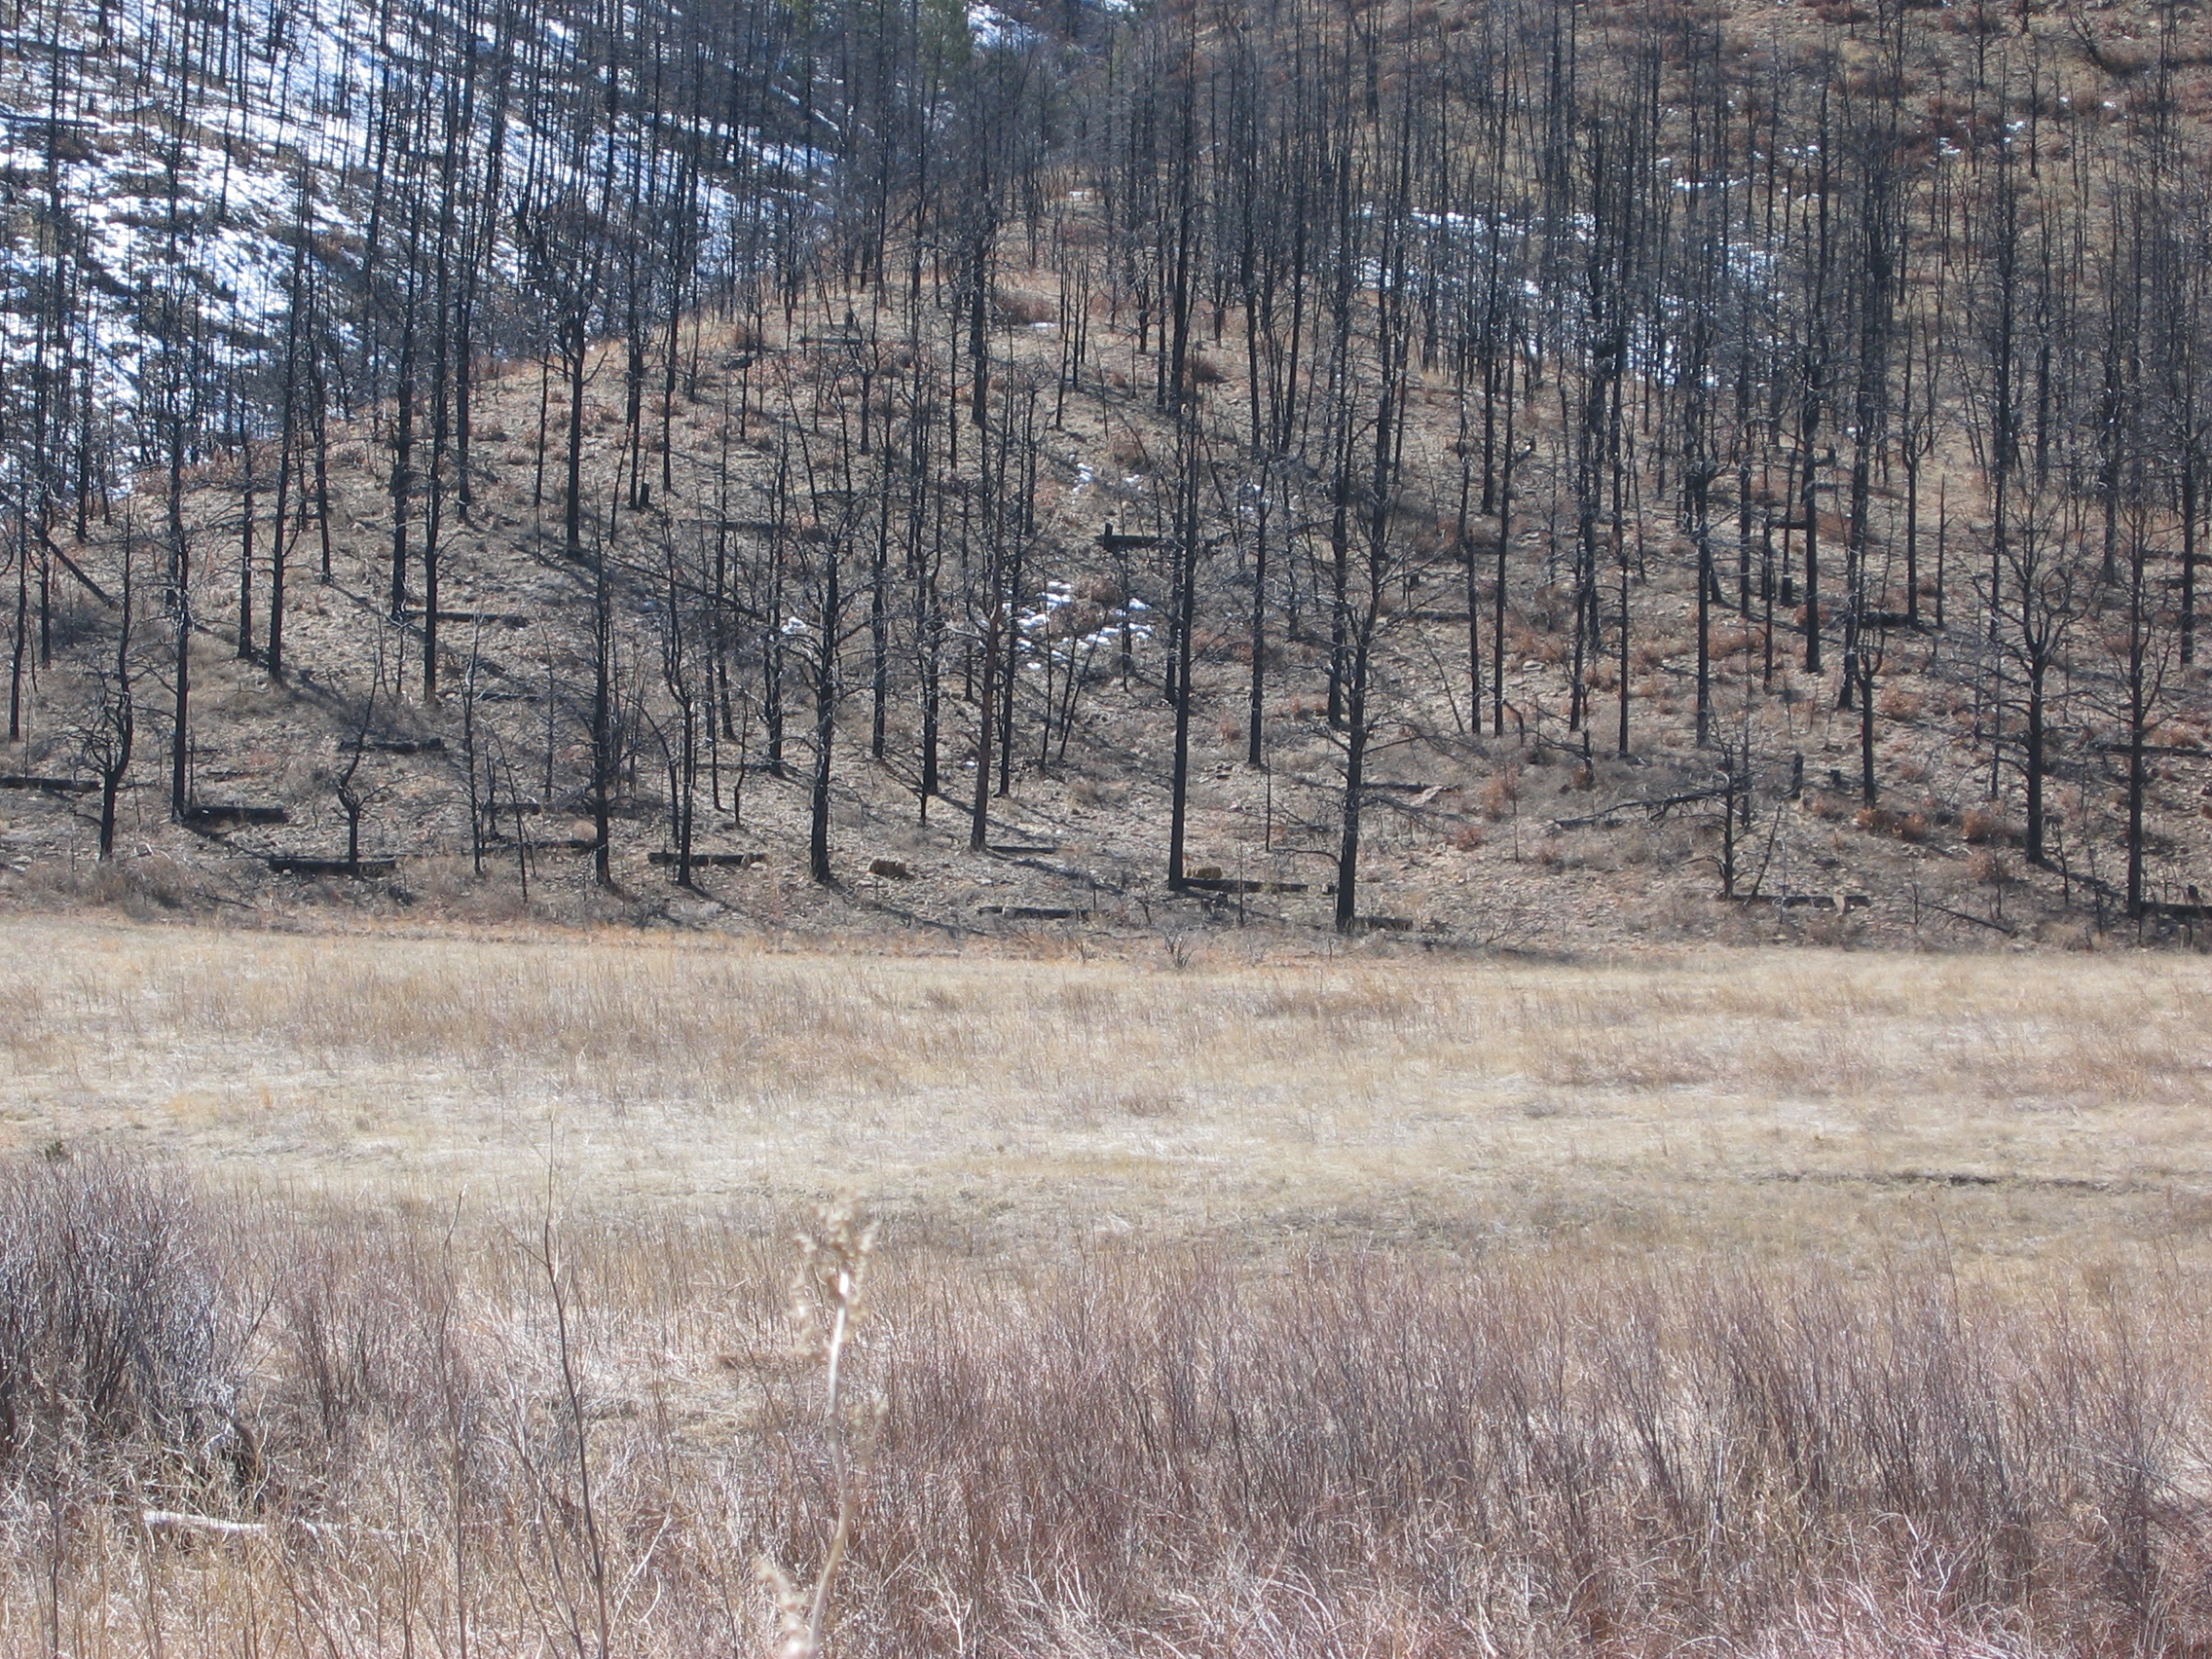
108,736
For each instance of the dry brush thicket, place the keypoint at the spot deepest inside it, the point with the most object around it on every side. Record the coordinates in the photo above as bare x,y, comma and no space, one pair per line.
530,1433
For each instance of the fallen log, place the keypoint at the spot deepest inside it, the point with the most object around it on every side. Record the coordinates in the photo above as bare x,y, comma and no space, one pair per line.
1837,901
396,746
232,815
356,869
1653,806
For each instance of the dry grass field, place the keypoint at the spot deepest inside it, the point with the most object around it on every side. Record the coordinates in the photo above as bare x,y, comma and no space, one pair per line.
1844,1101
381,1295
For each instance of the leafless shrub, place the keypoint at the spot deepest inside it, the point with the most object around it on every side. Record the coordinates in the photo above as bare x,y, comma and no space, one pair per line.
1601,1462
117,1325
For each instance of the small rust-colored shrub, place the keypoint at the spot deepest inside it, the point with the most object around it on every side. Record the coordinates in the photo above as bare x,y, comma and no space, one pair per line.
1983,825
1099,590
1500,791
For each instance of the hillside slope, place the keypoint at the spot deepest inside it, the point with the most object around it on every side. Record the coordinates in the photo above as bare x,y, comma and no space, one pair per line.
1512,479
1543,839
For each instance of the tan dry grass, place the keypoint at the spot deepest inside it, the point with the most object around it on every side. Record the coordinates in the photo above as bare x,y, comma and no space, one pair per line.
2021,1108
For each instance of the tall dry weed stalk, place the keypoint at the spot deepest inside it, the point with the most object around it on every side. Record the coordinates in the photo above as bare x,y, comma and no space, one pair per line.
826,1311
577,1420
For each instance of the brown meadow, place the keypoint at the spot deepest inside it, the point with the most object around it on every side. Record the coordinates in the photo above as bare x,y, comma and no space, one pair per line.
381,1295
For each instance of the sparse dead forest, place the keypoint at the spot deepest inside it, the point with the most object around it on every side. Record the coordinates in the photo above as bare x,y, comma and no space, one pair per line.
915,404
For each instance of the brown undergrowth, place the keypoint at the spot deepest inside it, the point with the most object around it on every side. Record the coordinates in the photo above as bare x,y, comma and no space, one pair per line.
528,1433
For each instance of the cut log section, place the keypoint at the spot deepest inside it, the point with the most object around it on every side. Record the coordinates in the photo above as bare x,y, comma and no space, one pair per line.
1836,901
